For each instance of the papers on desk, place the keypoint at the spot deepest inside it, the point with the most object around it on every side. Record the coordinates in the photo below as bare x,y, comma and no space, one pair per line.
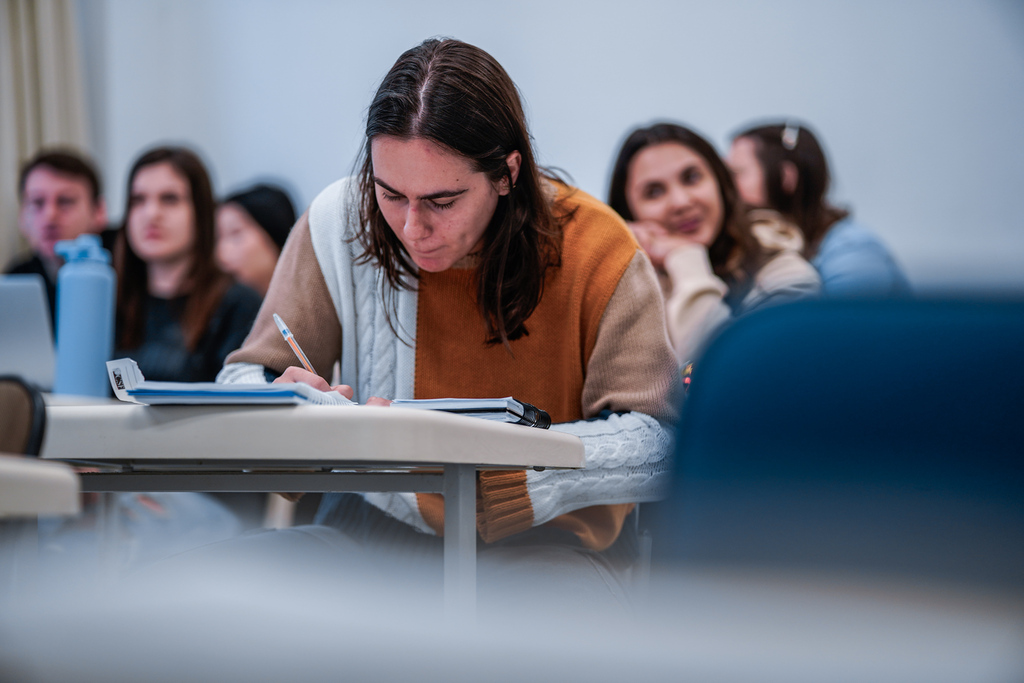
505,409
129,385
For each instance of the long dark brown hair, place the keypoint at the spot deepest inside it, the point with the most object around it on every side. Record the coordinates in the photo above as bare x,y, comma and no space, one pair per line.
204,284
807,206
734,252
458,96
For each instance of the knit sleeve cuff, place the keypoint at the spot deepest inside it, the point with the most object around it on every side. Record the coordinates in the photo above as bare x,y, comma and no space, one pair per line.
503,507
689,269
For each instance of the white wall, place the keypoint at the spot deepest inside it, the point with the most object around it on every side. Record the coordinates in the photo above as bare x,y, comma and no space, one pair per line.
920,102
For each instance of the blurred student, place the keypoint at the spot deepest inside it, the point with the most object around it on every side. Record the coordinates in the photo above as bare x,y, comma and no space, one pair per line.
178,314
252,227
178,317
715,258
60,198
781,166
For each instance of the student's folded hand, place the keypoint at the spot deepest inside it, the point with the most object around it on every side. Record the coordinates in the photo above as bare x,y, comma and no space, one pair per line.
658,241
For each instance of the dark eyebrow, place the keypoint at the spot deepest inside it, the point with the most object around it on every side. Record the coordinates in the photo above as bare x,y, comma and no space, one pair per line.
434,195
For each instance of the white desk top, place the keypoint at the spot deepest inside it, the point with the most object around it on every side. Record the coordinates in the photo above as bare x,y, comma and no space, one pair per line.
297,435
29,488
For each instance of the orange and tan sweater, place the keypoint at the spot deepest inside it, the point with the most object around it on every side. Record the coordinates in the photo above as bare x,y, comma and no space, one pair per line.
596,344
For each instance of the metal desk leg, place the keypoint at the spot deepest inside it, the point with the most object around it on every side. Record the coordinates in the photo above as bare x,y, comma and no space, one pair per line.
109,535
460,540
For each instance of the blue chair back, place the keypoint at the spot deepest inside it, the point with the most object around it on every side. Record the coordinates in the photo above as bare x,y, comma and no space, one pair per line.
855,436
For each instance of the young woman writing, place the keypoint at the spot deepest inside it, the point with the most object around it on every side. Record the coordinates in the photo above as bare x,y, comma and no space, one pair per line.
452,265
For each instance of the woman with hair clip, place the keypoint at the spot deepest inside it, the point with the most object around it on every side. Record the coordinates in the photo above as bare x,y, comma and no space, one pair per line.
452,265
782,166
715,258
178,314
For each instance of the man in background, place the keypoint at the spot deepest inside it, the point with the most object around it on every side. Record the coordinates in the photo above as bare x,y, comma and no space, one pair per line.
60,198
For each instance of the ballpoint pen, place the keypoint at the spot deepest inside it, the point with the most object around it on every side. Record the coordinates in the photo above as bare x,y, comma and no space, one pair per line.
290,338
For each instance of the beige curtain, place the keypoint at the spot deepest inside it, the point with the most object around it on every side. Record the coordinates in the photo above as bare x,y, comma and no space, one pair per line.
42,102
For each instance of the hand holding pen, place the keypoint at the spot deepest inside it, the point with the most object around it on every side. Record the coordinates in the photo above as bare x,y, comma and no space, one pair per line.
309,375
294,374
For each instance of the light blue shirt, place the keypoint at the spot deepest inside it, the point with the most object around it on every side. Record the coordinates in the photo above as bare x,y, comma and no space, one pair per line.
853,262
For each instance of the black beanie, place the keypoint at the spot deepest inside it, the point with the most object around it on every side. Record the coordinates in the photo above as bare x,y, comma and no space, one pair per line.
270,207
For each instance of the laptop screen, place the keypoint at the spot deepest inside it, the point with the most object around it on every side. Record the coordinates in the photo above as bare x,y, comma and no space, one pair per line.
26,341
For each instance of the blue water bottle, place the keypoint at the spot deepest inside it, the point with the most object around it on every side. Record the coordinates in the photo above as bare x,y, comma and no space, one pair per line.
85,317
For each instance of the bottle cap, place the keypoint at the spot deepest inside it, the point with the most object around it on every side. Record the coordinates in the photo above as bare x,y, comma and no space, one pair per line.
84,248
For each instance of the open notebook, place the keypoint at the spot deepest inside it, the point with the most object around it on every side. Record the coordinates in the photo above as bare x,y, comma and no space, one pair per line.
505,409
129,385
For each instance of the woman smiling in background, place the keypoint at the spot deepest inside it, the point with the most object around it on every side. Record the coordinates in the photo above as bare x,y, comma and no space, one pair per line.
715,259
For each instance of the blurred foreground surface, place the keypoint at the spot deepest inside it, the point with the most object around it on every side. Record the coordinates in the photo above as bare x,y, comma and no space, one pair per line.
237,622
847,505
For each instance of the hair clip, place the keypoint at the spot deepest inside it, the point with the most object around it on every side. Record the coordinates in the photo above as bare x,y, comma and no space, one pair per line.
790,136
